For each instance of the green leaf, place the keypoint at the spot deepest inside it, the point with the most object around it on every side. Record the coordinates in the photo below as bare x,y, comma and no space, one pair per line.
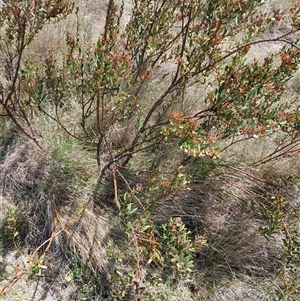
69,276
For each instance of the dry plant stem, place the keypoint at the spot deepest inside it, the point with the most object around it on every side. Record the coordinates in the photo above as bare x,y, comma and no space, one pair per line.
284,151
247,45
116,188
125,154
57,120
114,171
233,142
248,174
131,149
260,41
21,128
129,188
241,188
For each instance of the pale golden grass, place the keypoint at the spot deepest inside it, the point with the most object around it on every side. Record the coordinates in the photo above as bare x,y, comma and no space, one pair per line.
56,197
86,231
87,235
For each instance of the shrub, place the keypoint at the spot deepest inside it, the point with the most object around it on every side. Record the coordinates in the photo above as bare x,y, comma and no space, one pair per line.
97,94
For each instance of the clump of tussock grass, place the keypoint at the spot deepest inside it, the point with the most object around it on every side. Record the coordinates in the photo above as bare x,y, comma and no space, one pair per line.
22,172
228,208
51,195
86,235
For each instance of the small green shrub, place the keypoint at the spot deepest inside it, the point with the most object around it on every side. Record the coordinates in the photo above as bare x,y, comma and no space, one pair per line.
14,229
178,246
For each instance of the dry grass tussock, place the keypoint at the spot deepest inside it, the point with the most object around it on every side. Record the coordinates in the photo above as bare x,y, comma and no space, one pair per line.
229,208
47,201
